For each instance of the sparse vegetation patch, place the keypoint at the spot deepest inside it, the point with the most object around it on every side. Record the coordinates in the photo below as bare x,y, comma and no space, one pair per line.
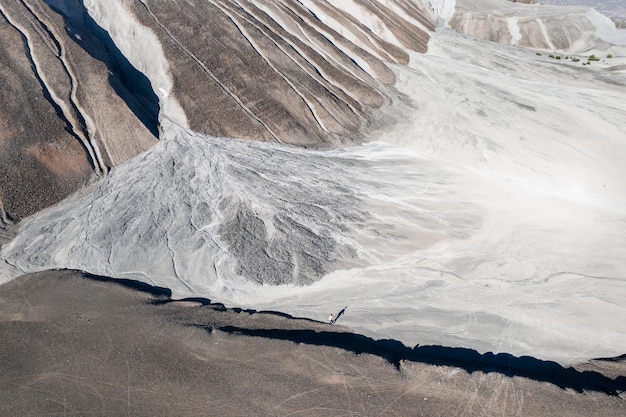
587,60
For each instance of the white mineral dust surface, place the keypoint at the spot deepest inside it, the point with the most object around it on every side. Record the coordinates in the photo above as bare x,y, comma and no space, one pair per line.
540,147
495,212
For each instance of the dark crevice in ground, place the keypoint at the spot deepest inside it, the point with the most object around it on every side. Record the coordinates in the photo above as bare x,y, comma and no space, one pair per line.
468,359
159,293
396,352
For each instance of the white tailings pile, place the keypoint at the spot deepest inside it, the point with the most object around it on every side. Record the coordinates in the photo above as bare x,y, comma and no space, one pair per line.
492,218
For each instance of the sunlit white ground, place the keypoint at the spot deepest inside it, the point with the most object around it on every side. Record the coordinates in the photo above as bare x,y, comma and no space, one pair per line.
540,147
491,216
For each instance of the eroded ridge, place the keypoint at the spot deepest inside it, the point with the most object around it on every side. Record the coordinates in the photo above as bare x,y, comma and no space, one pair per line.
46,53
66,113
322,66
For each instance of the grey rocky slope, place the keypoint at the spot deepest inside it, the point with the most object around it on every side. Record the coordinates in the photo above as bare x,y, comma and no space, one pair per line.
85,82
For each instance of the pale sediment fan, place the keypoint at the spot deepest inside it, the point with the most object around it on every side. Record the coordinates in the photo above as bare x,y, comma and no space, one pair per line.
84,83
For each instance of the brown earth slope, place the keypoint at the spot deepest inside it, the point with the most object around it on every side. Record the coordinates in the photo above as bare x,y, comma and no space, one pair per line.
78,96
77,345
64,113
